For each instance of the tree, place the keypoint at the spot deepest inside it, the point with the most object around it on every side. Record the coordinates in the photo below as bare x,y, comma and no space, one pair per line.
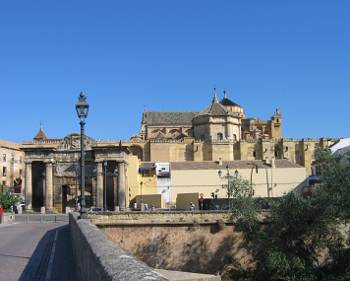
304,238
244,209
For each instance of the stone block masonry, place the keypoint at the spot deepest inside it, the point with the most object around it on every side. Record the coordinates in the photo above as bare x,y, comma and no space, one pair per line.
98,258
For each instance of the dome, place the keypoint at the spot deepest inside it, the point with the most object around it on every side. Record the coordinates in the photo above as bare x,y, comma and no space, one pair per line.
227,102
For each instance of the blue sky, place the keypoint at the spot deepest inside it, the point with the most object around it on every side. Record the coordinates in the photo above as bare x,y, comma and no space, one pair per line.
168,56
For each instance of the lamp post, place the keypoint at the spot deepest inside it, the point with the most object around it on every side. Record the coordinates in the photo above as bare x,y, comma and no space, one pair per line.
105,184
228,176
82,108
141,199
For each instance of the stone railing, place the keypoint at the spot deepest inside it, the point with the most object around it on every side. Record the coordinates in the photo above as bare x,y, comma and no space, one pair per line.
7,218
161,218
98,258
48,141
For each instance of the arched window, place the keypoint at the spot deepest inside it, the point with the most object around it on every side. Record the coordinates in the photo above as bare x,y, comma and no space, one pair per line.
219,136
234,137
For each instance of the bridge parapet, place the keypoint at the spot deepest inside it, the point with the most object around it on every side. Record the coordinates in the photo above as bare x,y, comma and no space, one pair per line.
161,218
98,258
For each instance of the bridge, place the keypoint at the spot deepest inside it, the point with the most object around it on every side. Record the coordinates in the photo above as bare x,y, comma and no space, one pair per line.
36,248
57,247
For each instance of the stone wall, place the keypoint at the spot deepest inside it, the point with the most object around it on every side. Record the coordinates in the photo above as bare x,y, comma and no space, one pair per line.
98,258
160,218
206,249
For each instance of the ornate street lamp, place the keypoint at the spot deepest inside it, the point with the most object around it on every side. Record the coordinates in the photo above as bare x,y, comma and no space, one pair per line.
82,108
228,176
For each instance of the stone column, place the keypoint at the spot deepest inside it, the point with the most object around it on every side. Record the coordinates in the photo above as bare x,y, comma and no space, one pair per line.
49,186
28,186
115,187
99,185
121,185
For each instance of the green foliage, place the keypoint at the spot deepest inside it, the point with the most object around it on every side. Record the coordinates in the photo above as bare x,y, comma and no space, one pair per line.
8,199
285,267
300,230
244,208
334,193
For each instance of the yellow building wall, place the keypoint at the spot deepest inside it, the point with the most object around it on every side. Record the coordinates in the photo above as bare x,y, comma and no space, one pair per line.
267,150
288,148
280,180
246,150
308,149
183,200
197,151
170,152
132,177
155,200
13,160
223,151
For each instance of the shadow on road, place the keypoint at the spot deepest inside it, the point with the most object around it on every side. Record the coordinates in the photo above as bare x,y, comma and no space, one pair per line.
62,265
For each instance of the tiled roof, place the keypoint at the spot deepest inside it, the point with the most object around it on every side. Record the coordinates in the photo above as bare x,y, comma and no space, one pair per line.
40,135
238,164
9,144
168,118
215,108
228,102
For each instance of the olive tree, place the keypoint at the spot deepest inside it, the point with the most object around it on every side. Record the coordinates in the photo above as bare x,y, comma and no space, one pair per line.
305,238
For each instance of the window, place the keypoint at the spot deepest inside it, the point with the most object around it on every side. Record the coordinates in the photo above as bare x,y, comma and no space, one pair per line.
4,171
254,153
4,158
234,137
219,136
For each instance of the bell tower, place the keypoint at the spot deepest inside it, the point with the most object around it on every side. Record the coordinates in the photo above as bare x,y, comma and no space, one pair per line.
276,125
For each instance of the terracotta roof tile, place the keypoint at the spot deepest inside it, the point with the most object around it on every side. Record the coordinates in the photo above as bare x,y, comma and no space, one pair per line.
168,118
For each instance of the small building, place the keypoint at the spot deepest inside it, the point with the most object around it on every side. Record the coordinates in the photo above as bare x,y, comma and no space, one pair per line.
268,179
11,166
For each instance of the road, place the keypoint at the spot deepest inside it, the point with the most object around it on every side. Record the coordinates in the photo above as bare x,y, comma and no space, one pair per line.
36,251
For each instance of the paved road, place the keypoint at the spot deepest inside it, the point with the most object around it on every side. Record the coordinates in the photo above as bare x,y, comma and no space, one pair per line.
36,251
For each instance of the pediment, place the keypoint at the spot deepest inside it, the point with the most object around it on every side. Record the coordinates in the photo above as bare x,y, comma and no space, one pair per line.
72,143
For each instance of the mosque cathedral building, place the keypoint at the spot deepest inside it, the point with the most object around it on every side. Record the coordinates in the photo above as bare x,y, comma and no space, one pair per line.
185,143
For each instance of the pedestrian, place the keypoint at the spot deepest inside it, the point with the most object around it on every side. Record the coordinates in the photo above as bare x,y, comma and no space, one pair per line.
1,213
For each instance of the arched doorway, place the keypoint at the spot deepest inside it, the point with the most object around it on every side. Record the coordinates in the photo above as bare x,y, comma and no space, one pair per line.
65,192
110,193
38,185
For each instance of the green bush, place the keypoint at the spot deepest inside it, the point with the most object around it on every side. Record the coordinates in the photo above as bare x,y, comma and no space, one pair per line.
8,199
